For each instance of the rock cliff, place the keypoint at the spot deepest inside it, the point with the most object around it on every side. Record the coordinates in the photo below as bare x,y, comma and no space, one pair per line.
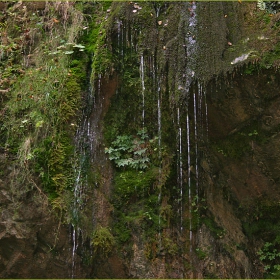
139,140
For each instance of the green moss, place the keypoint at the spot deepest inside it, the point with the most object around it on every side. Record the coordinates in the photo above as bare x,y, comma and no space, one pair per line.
264,17
121,229
135,202
133,183
271,58
78,69
216,230
201,254
151,249
251,69
238,144
262,223
102,242
52,161
262,220
170,247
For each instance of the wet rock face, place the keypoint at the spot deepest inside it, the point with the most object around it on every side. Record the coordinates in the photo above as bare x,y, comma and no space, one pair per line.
243,161
241,164
238,102
35,247
32,242
244,128
238,165
30,255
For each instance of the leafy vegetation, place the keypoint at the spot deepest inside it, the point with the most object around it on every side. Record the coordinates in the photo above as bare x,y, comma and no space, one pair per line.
132,152
262,222
270,256
216,230
44,96
237,144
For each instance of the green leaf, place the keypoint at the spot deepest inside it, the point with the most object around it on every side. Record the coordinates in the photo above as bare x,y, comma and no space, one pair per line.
140,152
68,52
79,46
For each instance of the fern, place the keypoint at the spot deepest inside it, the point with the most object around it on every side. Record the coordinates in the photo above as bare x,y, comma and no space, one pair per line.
261,5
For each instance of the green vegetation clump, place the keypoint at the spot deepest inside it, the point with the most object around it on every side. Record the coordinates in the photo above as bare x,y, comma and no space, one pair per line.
270,256
133,183
131,152
238,144
200,253
262,222
215,229
135,204
102,242
272,58
45,73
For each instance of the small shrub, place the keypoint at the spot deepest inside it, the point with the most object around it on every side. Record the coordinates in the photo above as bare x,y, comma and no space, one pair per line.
128,151
270,257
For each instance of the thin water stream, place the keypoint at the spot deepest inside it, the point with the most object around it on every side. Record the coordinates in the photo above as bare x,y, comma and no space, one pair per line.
191,49
87,140
142,77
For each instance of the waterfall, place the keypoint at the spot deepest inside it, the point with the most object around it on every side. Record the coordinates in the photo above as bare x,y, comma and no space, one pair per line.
180,171
159,155
86,139
120,37
159,119
143,88
206,115
189,179
119,23
83,146
191,49
188,122
196,143
74,248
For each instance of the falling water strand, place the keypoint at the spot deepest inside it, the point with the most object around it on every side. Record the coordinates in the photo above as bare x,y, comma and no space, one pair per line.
143,89
196,143
79,190
99,86
189,179
127,36
93,123
159,154
191,46
157,11
180,173
199,108
191,49
84,143
77,205
75,211
122,39
159,119
206,114
131,43
119,23
73,252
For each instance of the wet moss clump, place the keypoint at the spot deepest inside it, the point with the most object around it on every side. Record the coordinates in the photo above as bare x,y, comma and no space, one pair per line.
271,58
135,202
103,242
262,220
217,231
239,143
262,223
